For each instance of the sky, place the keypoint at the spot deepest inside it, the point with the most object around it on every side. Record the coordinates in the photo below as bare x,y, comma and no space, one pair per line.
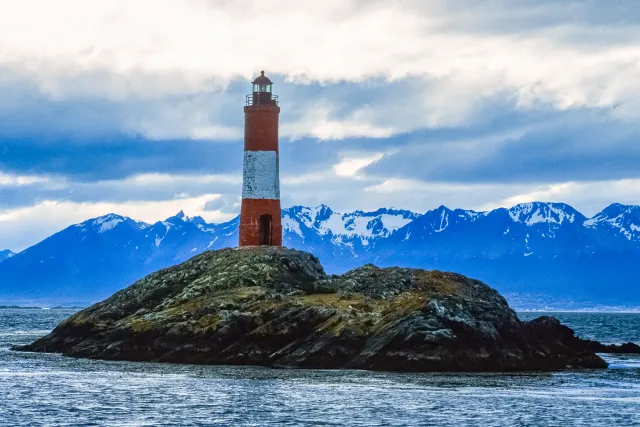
136,107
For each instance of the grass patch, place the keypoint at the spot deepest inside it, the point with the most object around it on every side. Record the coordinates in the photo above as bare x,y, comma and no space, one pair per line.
140,325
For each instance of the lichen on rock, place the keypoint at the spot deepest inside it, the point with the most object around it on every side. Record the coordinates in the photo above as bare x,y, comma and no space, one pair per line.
276,307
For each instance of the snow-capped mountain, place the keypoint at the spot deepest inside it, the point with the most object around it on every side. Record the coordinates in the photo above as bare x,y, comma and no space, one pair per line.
546,213
90,260
354,226
533,248
618,221
532,229
343,238
5,254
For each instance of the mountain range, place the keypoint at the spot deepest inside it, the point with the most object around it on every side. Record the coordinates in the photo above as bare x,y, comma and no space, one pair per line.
538,254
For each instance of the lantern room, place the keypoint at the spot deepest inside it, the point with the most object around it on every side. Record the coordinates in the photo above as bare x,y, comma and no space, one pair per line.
262,92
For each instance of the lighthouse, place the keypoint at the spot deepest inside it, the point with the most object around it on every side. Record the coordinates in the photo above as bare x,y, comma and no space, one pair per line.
260,216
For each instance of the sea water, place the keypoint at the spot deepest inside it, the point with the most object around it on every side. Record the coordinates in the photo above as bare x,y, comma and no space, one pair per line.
52,390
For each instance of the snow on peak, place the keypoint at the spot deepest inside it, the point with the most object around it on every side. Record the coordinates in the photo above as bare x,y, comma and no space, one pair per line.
323,213
537,212
439,219
617,210
623,219
179,217
107,222
358,224
104,223
198,220
292,225
5,254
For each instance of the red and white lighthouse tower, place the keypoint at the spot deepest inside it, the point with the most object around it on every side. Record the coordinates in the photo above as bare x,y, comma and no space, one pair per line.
260,216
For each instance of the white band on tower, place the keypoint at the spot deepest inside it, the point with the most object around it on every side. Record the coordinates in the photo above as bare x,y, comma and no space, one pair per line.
260,180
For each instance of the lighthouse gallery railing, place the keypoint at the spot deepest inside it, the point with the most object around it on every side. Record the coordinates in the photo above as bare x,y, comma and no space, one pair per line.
262,99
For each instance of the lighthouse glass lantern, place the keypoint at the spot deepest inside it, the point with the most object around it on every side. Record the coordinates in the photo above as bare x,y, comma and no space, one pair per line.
260,214
262,94
261,88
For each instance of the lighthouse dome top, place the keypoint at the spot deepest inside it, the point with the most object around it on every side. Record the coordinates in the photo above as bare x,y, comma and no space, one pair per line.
262,80
262,92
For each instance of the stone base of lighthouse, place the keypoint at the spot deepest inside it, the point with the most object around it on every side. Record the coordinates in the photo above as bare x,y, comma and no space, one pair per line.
260,223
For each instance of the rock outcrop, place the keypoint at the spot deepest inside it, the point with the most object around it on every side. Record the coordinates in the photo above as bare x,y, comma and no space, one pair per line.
276,307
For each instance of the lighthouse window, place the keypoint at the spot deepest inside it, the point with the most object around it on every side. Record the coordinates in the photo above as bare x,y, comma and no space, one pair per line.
262,88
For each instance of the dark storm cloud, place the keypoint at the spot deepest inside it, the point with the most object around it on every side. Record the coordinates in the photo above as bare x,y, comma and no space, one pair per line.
120,157
554,147
87,139
14,197
115,157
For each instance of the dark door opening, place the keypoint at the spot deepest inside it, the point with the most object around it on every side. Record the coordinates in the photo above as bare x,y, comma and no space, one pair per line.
265,230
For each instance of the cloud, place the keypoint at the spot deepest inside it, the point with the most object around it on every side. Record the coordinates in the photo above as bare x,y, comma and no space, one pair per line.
225,204
458,52
350,165
9,180
139,188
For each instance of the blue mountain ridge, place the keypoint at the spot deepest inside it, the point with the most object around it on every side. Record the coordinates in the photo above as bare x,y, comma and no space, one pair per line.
538,254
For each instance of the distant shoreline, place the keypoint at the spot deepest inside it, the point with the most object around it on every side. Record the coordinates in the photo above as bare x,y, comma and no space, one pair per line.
578,310
629,310
633,310
19,307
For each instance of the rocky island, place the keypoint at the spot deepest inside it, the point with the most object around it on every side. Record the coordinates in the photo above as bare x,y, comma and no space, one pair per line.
276,307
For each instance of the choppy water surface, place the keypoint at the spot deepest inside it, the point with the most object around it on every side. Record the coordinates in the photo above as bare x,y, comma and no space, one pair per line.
51,390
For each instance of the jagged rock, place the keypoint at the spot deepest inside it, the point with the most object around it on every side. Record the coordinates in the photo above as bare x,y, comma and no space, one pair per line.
276,307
